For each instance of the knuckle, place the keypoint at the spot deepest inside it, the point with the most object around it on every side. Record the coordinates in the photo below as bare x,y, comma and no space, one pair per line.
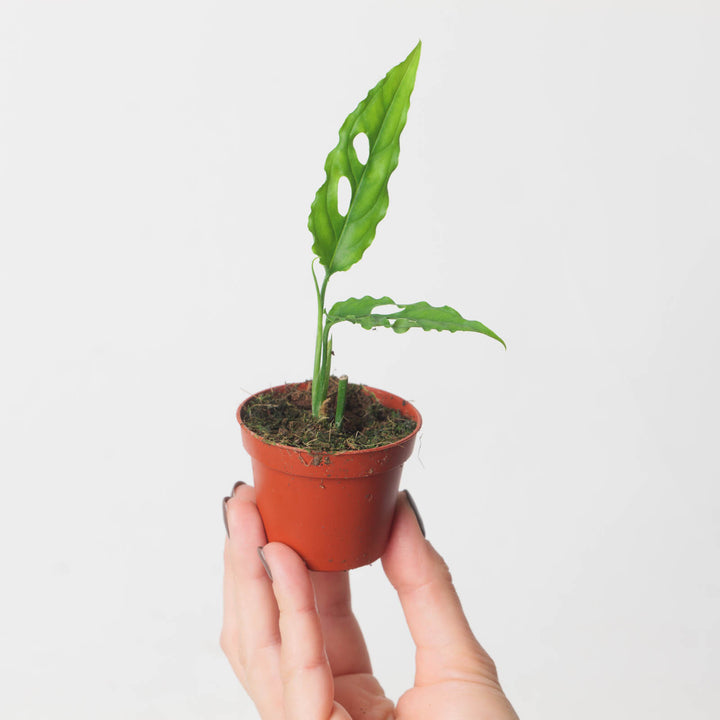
229,645
480,665
297,672
225,642
488,665
441,568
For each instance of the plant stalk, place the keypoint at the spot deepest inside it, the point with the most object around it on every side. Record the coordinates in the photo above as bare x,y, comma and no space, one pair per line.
320,347
340,403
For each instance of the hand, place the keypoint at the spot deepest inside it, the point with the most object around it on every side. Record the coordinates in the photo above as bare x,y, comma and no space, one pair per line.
298,650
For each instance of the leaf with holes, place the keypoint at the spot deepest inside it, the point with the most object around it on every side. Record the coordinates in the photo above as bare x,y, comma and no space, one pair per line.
341,240
420,314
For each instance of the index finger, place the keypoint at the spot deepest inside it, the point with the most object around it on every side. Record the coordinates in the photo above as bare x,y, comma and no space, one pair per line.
306,675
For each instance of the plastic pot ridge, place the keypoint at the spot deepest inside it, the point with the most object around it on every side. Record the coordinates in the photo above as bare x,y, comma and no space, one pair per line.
334,509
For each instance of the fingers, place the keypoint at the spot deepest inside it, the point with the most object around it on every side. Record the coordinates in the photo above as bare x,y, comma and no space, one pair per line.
275,644
250,636
446,647
344,642
306,674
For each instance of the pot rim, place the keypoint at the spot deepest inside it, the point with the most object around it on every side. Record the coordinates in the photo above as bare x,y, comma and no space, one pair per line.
414,414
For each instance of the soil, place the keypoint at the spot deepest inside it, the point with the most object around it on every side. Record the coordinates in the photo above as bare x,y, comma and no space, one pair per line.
286,419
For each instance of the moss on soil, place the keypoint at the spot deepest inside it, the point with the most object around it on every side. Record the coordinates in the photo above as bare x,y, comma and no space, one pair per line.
286,419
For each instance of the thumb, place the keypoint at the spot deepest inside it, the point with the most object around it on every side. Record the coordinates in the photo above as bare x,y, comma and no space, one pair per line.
446,648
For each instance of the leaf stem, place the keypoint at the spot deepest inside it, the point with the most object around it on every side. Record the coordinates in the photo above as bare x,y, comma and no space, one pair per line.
321,349
340,403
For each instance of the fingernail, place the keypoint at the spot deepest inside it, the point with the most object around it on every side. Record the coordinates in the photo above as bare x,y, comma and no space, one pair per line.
236,486
265,563
413,507
225,499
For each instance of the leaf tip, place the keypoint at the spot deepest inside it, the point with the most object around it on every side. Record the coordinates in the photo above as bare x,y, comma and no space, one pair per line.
415,53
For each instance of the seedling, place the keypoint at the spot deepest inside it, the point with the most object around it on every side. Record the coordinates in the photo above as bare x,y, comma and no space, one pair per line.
341,239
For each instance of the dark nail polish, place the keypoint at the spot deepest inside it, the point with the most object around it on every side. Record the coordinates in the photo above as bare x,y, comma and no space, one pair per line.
413,507
236,486
225,499
265,563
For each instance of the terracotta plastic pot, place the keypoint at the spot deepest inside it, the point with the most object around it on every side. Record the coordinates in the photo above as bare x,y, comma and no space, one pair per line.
334,509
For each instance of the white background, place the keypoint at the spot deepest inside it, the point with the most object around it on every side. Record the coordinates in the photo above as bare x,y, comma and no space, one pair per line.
559,181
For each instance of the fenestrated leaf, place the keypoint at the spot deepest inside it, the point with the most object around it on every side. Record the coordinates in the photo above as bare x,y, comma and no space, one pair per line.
340,241
420,314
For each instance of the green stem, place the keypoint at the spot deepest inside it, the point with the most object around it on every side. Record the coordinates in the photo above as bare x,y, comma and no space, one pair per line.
320,346
340,404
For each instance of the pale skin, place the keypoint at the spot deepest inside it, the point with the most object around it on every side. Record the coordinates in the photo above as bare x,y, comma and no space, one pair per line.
299,652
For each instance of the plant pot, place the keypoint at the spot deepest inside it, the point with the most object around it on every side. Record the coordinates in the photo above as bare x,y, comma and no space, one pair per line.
334,509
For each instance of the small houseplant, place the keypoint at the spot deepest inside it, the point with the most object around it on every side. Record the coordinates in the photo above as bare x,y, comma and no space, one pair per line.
324,485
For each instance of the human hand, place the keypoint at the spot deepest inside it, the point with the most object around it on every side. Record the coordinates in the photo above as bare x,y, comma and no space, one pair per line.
298,650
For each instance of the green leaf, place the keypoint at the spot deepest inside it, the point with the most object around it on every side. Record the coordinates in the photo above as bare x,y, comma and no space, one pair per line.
340,241
360,311
420,314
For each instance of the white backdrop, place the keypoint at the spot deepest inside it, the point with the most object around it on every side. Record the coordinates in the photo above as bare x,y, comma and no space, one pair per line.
559,180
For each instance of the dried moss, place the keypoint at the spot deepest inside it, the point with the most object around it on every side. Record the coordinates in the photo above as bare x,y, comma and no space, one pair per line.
285,418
